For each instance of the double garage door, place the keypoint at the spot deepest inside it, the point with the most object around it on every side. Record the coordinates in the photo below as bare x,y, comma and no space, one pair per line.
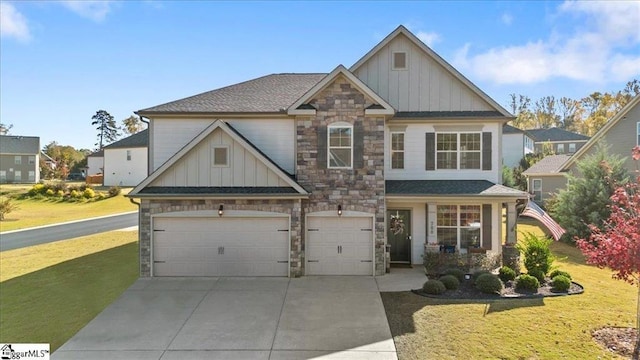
339,246
221,246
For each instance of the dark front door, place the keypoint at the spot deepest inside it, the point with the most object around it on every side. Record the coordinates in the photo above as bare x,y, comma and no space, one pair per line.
399,235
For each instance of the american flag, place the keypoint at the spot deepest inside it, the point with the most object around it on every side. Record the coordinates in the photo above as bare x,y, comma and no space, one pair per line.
533,210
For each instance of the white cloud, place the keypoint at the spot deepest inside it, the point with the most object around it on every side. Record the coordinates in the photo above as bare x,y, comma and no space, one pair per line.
91,9
13,23
593,51
506,19
428,38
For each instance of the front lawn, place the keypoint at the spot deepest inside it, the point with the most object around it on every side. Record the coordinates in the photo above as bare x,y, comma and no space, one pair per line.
48,292
32,212
545,328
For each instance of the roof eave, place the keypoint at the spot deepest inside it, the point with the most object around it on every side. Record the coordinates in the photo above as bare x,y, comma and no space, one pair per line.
205,114
216,196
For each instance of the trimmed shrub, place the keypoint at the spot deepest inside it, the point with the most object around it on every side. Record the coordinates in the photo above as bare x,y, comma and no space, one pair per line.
60,193
89,193
537,255
479,273
489,284
50,192
37,189
555,273
434,287
75,194
538,275
527,282
560,283
506,274
450,282
459,274
114,191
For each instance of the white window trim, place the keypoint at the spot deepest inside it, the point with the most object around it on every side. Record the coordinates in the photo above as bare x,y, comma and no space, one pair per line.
392,151
17,175
459,151
560,146
338,125
393,60
31,160
572,148
17,160
459,227
213,156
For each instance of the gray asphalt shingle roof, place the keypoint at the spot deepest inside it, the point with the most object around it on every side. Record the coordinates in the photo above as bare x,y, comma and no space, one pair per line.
438,114
140,139
449,187
217,190
508,129
548,165
555,134
271,93
13,144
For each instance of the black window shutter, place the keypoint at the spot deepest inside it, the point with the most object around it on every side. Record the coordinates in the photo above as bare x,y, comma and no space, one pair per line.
322,147
426,221
358,145
430,156
486,226
486,151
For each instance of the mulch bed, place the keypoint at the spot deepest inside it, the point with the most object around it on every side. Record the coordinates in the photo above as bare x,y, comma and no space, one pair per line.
469,292
617,339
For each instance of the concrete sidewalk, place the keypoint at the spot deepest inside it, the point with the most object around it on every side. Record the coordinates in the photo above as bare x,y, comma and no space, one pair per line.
332,317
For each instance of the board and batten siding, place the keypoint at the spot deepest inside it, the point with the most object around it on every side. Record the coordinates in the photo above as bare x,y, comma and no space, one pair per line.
415,153
274,137
196,167
424,86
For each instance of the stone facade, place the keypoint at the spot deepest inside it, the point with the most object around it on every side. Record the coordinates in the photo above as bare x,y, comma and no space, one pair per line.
156,207
361,188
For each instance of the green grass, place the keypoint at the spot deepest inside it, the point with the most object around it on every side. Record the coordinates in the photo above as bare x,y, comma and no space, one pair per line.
549,328
49,292
32,213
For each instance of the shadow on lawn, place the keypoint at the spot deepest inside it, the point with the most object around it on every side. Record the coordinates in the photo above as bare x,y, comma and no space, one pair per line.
52,304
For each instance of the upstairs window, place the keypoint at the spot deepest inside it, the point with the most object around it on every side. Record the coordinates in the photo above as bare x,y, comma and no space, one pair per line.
560,149
397,150
17,160
399,61
536,185
458,150
32,160
572,148
340,149
128,155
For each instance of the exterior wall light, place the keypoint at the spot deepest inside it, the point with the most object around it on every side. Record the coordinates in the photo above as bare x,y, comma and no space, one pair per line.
339,210
220,210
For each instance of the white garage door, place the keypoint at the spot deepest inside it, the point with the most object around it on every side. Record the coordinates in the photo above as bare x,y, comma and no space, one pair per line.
339,246
223,246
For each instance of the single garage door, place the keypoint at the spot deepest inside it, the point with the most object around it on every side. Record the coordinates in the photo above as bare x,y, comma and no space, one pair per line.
224,246
339,246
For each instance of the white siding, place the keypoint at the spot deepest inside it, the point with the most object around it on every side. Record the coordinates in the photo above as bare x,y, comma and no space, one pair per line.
95,165
512,149
196,167
274,137
122,172
424,86
414,160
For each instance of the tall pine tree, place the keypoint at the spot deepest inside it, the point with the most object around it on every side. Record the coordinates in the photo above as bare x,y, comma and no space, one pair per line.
108,130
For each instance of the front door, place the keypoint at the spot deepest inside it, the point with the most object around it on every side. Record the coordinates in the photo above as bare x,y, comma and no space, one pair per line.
399,235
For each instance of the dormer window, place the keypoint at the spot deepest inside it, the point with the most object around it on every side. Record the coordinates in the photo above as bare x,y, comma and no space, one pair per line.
399,61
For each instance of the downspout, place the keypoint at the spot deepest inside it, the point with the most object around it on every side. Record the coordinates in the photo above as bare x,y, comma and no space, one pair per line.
149,143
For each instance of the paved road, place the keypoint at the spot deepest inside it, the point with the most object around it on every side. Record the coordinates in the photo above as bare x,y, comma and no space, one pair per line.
34,236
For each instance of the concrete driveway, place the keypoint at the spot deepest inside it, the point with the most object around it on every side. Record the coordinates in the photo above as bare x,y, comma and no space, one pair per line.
239,318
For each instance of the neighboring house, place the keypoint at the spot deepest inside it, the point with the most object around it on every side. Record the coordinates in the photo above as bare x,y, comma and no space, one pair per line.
19,159
48,161
561,141
546,177
516,143
125,161
621,133
313,174
95,163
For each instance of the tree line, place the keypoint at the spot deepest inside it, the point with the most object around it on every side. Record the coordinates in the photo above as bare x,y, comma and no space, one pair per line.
583,116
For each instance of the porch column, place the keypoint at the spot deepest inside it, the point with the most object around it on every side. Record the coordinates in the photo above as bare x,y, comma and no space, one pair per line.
510,254
512,216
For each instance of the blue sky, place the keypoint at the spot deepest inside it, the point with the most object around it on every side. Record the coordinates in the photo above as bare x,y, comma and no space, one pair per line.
61,61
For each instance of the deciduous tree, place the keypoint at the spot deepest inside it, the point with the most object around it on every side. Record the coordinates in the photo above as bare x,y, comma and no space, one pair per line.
616,243
132,125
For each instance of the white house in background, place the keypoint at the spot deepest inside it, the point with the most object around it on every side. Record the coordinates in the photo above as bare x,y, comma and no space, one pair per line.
516,143
95,163
313,174
125,161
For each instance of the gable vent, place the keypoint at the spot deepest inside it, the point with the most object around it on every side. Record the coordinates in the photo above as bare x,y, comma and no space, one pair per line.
399,61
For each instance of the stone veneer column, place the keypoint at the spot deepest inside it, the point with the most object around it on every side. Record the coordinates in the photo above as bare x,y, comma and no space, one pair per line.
358,189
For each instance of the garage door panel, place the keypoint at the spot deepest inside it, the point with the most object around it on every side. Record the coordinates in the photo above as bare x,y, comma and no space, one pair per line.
221,247
339,246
